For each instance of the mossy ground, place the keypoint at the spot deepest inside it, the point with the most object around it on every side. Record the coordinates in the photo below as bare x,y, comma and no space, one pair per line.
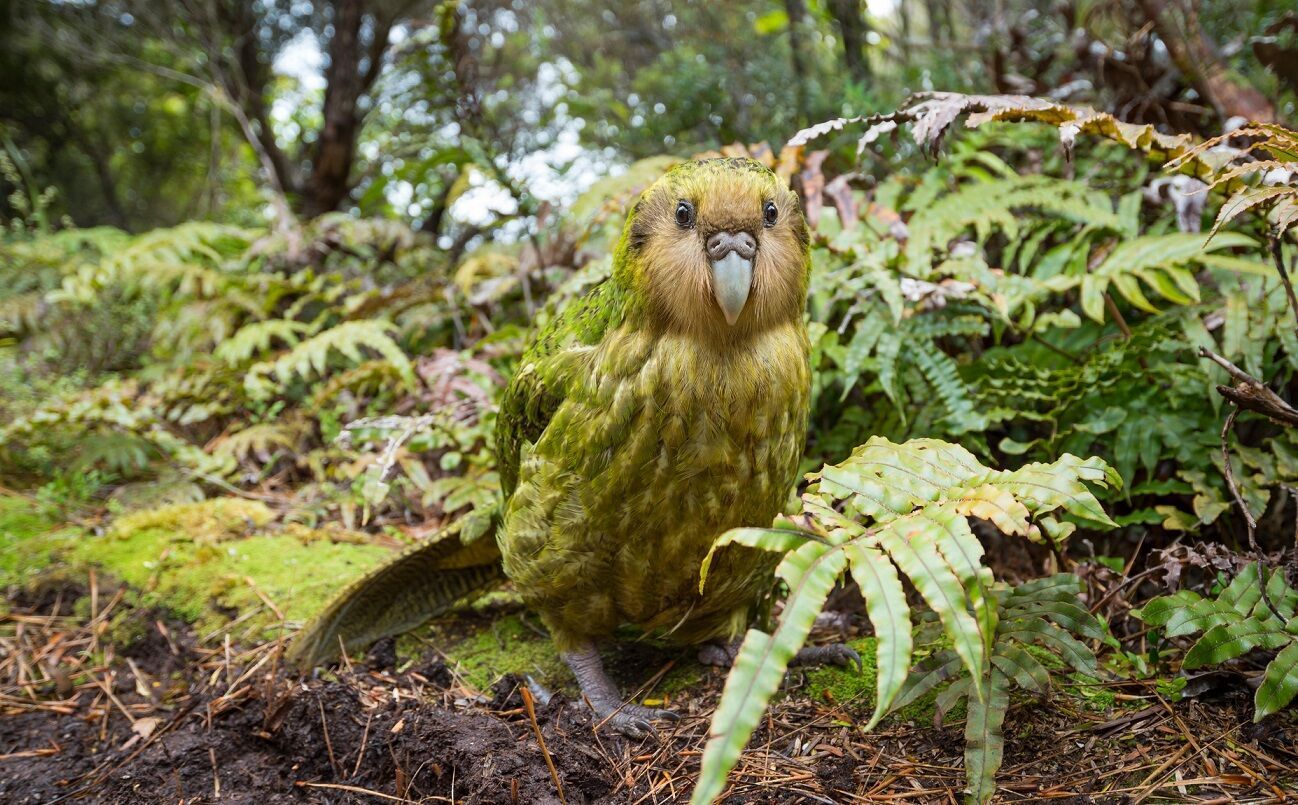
212,563
224,564
854,690
29,542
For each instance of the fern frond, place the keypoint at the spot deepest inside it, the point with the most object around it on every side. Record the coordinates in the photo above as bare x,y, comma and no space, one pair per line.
1157,261
310,358
255,338
1239,620
259,441
995,205
904,507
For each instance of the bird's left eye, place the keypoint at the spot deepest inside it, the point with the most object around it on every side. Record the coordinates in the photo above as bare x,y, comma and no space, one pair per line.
770,214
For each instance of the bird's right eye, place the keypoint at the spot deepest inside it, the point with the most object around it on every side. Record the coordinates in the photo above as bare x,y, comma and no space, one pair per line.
684,214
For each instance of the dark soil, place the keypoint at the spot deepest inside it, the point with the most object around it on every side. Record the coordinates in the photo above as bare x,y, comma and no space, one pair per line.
218,725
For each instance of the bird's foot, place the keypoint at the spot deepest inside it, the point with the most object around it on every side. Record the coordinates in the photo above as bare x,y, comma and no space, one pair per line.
719,653
722,655
839,654
631,720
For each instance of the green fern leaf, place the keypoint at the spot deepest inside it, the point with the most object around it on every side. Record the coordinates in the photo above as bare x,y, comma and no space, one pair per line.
311,357
1026,671
889,614
256,338
984,741
810,571
1226,641
1279,683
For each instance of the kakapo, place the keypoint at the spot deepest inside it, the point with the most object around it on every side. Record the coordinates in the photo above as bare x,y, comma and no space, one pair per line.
666,406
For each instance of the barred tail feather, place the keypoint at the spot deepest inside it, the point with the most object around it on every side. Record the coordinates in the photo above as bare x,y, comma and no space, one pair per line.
422,582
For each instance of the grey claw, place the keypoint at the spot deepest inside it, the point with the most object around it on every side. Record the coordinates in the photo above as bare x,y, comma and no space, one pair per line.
539,692
719,654
630,726
838,654
636,721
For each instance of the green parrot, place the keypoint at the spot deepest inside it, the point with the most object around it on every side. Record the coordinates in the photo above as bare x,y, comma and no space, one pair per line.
665,407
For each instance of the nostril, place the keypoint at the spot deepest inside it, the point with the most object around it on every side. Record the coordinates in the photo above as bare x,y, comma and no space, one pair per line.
722,243
719,245
746,245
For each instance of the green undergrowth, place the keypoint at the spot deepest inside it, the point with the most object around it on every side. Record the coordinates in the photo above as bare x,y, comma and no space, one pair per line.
196,560
855,692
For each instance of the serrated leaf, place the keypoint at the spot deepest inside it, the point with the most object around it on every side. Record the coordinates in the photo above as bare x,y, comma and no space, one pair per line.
996,505
930,673
777,540
984,742
1026,671
1227,641
810,572
885,604
1279,683
1066,614
1037,630
1158,611
948,698
912,547
1246,200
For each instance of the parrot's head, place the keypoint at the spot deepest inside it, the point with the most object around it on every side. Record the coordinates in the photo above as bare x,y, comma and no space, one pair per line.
719,247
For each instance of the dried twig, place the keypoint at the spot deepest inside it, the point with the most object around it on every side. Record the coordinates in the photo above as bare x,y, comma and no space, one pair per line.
536,727
216,774
355,789
1273,240
1250,522
1252,394
1118,318
329,746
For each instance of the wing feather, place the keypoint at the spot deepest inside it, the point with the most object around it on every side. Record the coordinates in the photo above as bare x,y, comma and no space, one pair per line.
540,385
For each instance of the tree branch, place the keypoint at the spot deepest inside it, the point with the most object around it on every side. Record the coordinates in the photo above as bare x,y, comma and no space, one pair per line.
1252,394
1250,522
1273,240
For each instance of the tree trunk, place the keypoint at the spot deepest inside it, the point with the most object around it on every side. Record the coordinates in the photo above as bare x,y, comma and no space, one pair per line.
797,13
347,79
1197,59
853,29
107,183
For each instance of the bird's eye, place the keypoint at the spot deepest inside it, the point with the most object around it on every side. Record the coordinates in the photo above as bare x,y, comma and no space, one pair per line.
770,214
684,214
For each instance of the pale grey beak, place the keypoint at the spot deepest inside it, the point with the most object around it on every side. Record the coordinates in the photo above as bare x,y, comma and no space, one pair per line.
732,278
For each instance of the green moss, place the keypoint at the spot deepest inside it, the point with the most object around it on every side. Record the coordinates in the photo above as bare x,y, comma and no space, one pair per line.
190,560
844,686
29,542
1089,692
203,521
683,676
507,646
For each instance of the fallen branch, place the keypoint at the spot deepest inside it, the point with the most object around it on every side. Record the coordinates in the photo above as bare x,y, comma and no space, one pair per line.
1252,394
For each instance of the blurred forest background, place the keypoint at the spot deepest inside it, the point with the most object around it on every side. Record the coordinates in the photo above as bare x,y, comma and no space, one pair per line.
142,115
265,266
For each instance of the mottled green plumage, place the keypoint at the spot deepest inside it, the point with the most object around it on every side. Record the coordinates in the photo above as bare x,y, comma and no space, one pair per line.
640,425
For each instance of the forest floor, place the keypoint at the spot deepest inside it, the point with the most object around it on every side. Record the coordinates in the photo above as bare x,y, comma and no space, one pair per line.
116,686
